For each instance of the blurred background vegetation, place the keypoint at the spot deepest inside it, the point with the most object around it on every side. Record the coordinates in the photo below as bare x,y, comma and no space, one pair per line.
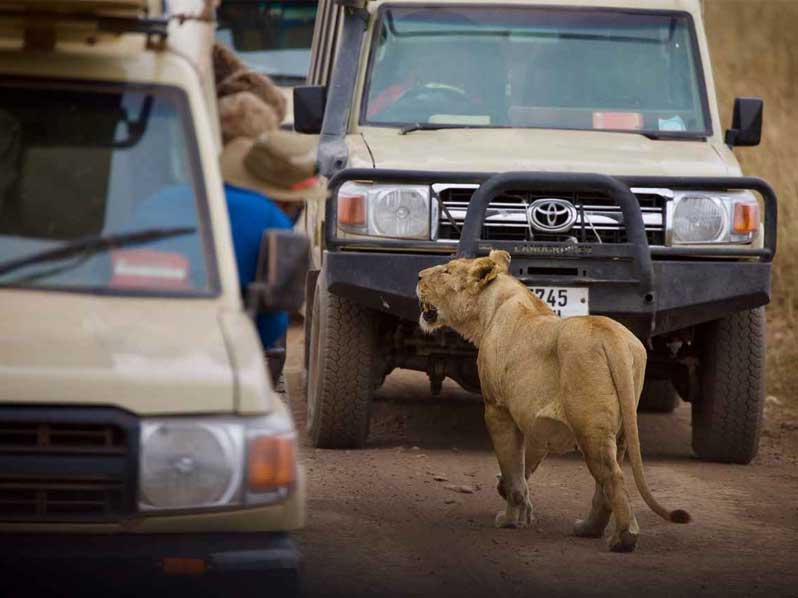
754,47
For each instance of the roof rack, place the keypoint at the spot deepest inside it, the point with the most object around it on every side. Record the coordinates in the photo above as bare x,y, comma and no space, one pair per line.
39,19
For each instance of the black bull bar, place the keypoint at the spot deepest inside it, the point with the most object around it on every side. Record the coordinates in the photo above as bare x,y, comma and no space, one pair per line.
628,267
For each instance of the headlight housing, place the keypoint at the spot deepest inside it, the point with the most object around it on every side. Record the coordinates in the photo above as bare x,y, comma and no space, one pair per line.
388,211
699,218
209,462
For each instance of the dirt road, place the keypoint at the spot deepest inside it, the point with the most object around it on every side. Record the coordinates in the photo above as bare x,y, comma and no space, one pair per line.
380,524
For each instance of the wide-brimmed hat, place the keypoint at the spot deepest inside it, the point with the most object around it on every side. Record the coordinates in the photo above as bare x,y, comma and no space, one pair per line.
243,114
279,164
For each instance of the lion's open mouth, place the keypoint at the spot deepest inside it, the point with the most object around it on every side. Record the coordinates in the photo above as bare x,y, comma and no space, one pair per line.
429,313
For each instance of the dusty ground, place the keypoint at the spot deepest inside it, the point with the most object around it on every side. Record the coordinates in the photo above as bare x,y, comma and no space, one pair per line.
381,525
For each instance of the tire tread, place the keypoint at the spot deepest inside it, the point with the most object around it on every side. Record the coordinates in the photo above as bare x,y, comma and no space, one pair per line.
348,357
728,418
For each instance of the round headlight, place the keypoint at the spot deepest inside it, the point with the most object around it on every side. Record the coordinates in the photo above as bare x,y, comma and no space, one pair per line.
698,219
402,212
184,465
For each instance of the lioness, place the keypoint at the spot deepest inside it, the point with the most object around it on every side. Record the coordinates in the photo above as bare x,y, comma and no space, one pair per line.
548,384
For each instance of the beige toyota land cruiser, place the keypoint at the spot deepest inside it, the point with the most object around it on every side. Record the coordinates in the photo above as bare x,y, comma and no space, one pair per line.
583,137
139,430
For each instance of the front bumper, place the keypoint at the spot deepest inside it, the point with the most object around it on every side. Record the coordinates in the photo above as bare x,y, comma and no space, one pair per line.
133,560
652,290
687,293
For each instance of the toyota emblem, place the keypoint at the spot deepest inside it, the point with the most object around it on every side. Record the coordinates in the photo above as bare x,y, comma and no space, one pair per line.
550,215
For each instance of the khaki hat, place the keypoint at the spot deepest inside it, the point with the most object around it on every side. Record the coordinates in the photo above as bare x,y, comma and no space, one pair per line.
279,164
243,114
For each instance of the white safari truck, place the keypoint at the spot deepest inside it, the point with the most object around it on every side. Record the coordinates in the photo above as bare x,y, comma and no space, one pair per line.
139,431
581,136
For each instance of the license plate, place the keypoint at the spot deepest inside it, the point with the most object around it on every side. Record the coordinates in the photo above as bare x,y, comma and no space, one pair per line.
565,301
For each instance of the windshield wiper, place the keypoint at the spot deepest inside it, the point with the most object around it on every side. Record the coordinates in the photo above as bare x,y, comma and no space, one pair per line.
94,244
670,136
409,128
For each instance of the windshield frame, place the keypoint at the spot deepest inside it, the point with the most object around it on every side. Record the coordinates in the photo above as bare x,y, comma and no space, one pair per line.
205,223
695,49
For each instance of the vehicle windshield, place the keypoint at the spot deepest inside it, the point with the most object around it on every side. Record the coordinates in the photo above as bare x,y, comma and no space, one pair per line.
99,190
537,67
273,38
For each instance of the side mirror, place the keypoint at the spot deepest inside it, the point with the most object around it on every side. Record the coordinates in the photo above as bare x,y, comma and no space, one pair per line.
746,123
279,283
309,104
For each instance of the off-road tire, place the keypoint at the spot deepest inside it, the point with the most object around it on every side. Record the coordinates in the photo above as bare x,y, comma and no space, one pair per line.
658,396
727,413
343,357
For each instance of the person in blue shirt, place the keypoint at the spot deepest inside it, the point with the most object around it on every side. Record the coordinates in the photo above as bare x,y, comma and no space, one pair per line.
265,180
250,214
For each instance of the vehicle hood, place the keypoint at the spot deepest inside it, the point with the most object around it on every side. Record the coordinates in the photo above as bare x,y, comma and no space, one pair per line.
148,356
501,150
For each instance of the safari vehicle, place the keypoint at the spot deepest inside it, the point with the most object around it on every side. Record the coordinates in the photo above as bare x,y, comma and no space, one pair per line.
620,195
139,430
273,38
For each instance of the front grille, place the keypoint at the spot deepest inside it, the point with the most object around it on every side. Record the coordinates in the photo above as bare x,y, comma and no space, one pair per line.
67,464
34,498
63,438
599,219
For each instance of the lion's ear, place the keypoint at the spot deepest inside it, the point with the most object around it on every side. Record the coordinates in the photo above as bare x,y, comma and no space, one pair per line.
501,258
483,270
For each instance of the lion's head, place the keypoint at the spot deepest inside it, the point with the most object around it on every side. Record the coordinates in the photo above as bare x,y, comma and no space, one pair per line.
448,293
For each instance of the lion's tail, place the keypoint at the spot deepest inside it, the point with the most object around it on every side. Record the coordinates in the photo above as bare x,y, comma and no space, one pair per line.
621,369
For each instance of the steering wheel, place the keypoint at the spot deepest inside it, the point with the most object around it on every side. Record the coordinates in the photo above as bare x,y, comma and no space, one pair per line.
427,100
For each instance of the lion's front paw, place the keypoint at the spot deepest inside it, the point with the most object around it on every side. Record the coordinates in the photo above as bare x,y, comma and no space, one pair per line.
503,521
584,528
515,517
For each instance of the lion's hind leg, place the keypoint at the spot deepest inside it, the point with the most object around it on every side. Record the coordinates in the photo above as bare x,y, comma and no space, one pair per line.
508,444
595,523
601,456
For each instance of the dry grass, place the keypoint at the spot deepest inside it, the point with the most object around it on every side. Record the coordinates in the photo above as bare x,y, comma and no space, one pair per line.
754,53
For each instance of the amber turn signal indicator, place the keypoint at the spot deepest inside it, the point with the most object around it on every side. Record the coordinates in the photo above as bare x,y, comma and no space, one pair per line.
746,218
271,463
183,566
352,210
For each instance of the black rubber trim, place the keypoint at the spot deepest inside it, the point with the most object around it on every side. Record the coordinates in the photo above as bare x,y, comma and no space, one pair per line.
224,552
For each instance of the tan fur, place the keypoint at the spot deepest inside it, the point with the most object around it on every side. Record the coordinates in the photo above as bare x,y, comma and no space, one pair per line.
225,62
549,384
243,114
260,85
232,76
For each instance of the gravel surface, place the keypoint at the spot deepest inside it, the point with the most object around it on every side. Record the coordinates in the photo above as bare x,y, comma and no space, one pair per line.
412,514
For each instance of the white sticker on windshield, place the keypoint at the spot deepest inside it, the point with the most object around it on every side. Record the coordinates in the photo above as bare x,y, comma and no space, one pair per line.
672,124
